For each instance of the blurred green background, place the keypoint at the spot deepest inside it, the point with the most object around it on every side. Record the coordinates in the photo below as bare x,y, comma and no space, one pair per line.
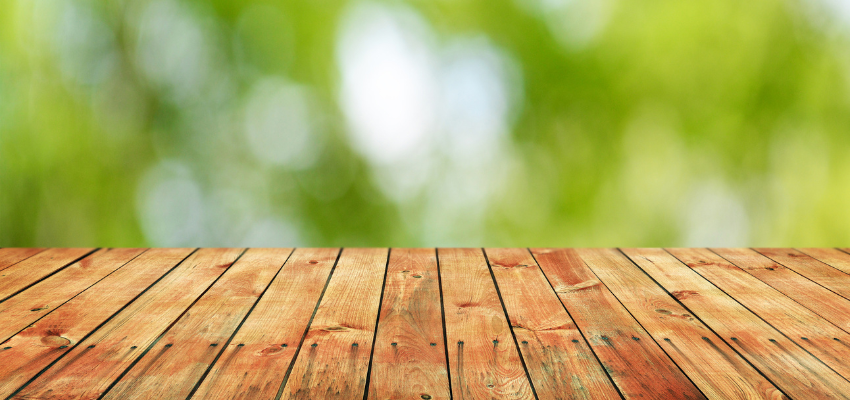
425,123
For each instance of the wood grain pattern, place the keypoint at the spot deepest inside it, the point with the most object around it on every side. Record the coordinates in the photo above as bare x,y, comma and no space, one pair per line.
833,257
12,255
28,306
334,358
29,271
34,348
272,331
713,366
88,370
634,365
788,366
180,358
816,271
410,344
823,339
559,361
483,359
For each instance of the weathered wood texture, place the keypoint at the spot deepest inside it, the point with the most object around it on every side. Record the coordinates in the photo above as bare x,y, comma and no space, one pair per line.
559,361
94,364
713,366
21,275
410,340
791,368
178,360
28,352
273,331
424,324
483,358
333,361
625,349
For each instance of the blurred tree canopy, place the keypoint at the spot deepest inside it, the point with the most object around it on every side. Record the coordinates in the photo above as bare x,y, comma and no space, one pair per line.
424,123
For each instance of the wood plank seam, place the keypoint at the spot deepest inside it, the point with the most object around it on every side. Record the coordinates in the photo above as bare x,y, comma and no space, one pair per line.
791,268
754,314
695,315
377,326
106,321
801,303
513,335
808,252
654,340
48,275
71,298
232,335
782,332
586,342
170,325
443,314
23,259
307,329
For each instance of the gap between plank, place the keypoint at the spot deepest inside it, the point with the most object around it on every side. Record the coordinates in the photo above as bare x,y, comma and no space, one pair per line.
145,352
307,329
48,275
703,322
377,320
762,319
100,325
443,314
641,325
587,342
510,325
230,339
794,271
74,296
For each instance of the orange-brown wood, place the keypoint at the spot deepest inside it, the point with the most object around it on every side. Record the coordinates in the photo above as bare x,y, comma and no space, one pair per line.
88,370
334,358
559,361
833,257
824,275
823,339
791,368
30,305
179,359
483,360
409,345
625,349
31,270
34,348
12,255
713,366
272,331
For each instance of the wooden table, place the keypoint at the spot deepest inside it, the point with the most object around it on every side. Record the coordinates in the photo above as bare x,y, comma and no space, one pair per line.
424,323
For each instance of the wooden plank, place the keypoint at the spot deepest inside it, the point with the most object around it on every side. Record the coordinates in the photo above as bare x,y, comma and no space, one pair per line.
710,363
823,339
824,275
833,257
89,369
12,255
791,368
27,272
34,348
272,331
809,294
334,359
634,365
42,298
559,361
409,360
177,361
483,359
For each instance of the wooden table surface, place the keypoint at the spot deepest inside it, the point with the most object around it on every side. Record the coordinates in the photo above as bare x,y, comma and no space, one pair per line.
424,323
